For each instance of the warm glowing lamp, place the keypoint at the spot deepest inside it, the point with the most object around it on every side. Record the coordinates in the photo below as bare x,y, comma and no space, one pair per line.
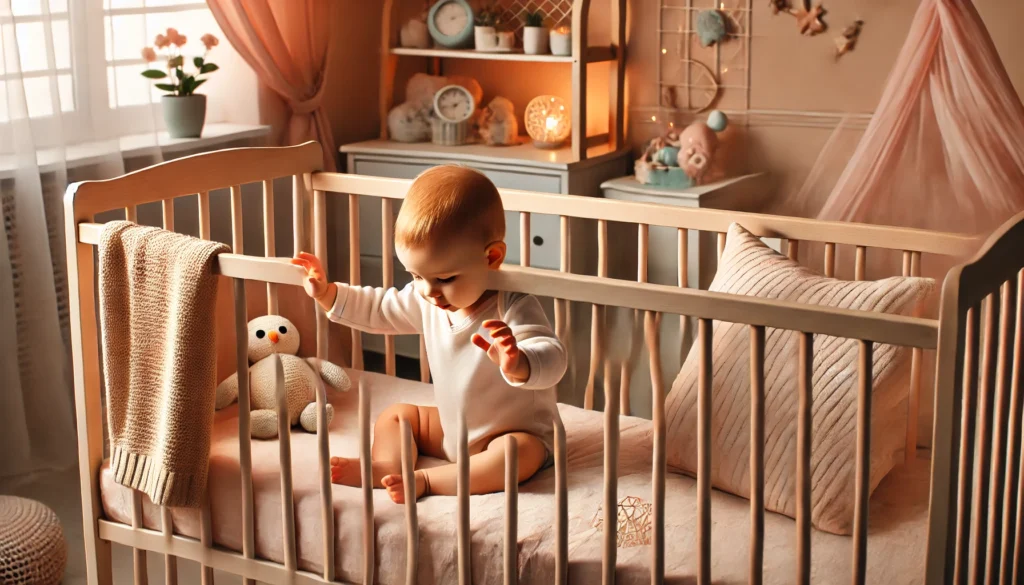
547,121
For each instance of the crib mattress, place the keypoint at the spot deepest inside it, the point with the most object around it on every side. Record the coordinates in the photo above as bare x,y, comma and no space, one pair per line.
897,531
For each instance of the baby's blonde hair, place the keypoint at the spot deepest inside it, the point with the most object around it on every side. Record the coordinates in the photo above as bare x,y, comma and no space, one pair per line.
449,201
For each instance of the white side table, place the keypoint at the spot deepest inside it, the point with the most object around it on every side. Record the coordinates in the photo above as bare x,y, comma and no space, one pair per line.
745,193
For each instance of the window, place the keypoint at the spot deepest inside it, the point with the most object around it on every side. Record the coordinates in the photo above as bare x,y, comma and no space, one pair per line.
85,61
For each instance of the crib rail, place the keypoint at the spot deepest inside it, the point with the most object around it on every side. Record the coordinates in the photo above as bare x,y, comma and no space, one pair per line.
977,515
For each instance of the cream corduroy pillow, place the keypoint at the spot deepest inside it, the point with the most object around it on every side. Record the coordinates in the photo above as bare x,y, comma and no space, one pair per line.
749,267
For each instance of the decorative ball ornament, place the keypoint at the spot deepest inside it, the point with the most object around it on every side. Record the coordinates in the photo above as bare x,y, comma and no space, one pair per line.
450,23
547,121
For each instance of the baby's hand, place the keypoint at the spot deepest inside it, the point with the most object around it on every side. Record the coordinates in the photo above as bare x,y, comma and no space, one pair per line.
316,284
504,351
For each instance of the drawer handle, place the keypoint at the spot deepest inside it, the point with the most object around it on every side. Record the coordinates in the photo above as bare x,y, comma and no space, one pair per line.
538,241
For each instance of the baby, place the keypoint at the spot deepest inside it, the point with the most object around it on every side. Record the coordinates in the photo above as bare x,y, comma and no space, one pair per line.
449,235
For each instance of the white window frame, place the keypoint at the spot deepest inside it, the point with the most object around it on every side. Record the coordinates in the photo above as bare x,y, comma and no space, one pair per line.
92,117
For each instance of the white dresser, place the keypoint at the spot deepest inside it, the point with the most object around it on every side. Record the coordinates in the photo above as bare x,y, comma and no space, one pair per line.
511,167
745,193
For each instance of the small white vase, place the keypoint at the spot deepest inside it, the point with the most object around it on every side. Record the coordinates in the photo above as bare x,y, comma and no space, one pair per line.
561,42
485,38
535,40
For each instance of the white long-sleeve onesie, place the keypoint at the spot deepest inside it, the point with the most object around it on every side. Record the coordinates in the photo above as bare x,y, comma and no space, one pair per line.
465,379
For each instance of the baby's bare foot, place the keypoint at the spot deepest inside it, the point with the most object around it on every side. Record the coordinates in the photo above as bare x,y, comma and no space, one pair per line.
396,487
345,471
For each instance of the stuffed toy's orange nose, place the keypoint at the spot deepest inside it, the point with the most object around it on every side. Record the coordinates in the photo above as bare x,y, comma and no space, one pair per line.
273,336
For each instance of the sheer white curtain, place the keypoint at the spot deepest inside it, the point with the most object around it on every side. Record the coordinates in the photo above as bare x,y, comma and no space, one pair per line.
59,103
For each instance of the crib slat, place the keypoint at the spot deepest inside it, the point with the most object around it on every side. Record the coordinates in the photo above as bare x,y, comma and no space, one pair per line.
652,326
140,572
131,213
912,267
610,506
269,241
863,475
803,459
721,245
979,528
412,551
704,453
756,454
424,364
860,263
462,489
236,219
524,238
561,306
643,246
561,507
298,214
682,278
1001,421
170,561
511,511
204,215
354,257
285,457
322,430
624,373
1014,465
387,231
966,464
793,249
244,445
597,316
366,483
830,260
167,206
206,537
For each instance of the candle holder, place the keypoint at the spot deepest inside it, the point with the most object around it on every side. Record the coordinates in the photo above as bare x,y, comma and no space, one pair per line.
561,41
547,121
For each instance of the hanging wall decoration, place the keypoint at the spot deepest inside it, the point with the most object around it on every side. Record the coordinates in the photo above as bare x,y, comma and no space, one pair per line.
808,16
846,41
710,27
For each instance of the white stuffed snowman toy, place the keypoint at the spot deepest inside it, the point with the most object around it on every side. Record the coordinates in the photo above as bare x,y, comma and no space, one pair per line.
268,335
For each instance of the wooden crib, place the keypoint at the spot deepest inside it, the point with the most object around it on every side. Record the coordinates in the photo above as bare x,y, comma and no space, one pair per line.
972,468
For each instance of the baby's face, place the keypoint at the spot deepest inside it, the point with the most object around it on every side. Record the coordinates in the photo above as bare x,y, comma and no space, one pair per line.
451,275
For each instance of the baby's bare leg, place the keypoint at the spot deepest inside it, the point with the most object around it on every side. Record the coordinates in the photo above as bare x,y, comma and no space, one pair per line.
386,452
486,470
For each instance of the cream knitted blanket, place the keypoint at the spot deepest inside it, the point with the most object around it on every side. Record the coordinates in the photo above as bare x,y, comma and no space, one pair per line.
157,294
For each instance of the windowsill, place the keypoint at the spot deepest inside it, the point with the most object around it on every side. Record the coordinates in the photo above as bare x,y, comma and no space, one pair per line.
87,153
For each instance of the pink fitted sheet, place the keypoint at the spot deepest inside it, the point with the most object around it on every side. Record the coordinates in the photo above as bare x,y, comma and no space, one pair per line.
897,533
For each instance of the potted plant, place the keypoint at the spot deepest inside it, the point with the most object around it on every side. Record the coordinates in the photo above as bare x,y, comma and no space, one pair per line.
535,36
485,33
184,109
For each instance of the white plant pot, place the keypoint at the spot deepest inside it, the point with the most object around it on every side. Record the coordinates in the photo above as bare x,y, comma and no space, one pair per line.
485,38
561,43
535,40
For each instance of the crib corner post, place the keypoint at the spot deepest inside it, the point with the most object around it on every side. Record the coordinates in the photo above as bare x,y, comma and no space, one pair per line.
88,407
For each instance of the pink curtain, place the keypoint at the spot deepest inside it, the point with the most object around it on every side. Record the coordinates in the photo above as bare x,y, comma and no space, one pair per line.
287,43
945,147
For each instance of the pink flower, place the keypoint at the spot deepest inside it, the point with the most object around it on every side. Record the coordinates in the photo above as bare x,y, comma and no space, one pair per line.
148,54
161,41
180,40
209,41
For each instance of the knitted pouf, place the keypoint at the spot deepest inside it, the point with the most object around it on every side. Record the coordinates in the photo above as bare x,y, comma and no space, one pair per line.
32,547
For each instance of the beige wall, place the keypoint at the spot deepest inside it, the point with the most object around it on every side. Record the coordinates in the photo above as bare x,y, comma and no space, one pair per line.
790,73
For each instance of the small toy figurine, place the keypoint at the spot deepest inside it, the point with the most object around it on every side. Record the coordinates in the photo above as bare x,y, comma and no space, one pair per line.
498,124
778,6
681,159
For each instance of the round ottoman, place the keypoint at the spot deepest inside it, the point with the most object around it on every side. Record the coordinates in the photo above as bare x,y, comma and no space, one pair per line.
32,547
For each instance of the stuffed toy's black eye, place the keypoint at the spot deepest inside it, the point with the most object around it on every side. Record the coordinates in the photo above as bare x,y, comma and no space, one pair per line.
282,329
260,334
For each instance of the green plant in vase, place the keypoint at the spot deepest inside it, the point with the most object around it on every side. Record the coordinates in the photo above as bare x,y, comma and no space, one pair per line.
535,36
184,109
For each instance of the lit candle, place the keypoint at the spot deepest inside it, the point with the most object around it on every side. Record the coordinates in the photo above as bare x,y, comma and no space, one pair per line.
547,121
561,41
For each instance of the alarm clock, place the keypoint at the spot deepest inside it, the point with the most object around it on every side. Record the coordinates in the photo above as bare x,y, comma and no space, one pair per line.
454,107
450,23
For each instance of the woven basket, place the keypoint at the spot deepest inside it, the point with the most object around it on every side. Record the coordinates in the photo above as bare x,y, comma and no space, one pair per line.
32,547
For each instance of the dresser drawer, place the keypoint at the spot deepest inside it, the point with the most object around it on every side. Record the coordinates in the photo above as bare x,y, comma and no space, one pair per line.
544,229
